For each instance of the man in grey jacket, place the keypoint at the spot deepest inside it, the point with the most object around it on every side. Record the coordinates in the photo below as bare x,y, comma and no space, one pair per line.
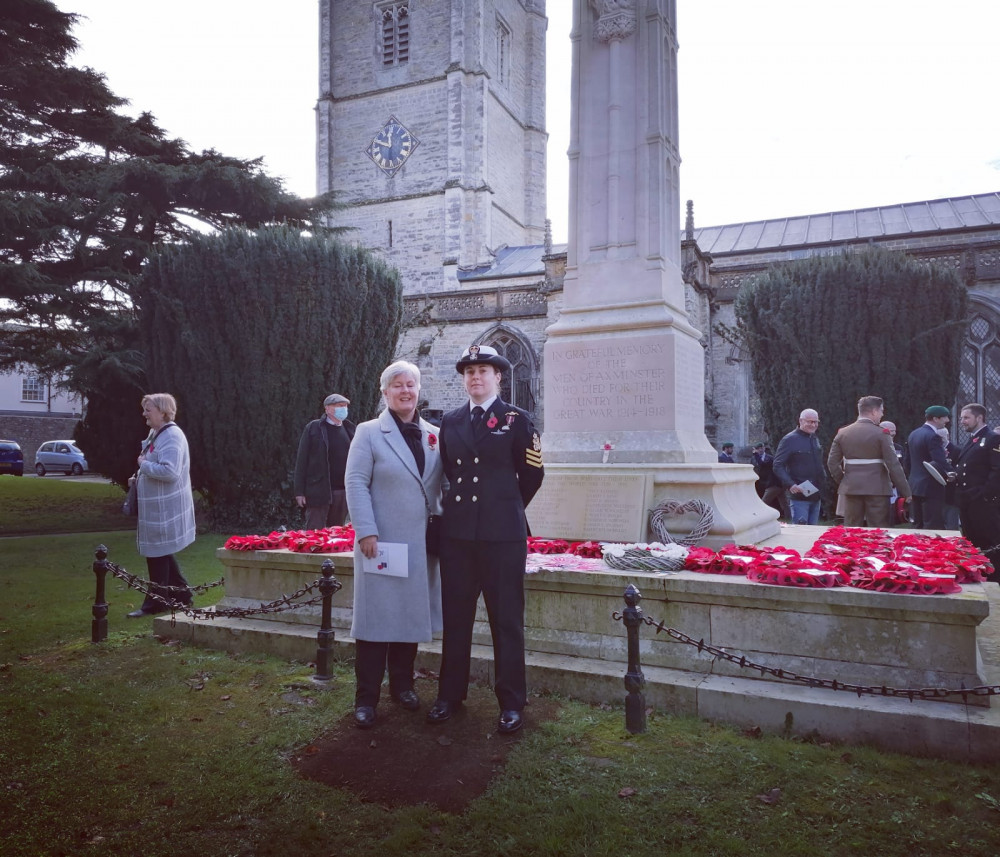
320,465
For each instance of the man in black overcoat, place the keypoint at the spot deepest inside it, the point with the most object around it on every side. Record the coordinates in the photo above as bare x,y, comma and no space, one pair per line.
977,464
492,459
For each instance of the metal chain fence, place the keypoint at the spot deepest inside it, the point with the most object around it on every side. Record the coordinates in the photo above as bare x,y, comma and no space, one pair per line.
743,662
162,591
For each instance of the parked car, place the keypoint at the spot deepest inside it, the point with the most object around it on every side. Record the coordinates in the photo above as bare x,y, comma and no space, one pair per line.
62,455
11,458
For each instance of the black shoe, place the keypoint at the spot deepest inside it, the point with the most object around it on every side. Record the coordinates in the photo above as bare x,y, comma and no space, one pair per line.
138,614
442,710
510,721
364,716
408,699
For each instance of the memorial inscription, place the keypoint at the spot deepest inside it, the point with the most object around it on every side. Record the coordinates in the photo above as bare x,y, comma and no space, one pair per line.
610,385
599,507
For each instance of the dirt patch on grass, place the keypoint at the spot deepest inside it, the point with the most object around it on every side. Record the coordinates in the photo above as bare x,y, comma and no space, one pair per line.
403,760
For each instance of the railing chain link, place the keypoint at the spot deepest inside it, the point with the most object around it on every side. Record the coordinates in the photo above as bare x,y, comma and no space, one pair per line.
743,662
147,587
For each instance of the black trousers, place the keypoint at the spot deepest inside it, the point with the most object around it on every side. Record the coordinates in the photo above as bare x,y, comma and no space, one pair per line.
928,510
981,526
164,571
495,569
370,662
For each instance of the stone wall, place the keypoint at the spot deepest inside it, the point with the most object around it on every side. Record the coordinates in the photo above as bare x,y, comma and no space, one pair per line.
32,431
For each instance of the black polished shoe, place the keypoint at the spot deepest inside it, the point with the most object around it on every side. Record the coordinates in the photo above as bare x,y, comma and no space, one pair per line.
442,710
408,699
510,721
364,716
138,614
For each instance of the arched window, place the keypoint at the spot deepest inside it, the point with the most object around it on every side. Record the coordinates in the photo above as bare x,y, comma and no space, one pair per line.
520,386
980,377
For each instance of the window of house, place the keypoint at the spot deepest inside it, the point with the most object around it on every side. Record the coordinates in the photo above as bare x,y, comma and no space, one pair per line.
503,53
32,389
394,33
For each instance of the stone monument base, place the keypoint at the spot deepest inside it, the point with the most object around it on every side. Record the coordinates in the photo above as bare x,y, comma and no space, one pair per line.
611,502
576,647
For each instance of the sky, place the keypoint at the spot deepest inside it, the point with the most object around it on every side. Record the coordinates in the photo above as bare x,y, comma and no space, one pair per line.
786,107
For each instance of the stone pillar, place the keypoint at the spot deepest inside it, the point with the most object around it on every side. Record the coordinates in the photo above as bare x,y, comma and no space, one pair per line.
624,367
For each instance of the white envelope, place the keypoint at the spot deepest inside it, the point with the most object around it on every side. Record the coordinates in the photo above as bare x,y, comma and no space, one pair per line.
390,560
807,488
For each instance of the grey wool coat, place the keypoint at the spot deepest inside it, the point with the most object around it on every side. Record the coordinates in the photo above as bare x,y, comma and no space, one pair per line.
166,507
385,499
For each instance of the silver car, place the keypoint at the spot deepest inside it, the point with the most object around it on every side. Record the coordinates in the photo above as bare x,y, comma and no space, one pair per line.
62,455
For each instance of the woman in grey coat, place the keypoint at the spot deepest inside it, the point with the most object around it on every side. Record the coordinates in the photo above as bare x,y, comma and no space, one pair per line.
393,483
166,507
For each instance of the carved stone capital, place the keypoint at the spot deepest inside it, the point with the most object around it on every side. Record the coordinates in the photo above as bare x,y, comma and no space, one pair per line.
616,19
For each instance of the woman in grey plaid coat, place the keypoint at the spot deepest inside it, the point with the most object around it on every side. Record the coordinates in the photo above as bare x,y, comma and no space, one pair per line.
166,506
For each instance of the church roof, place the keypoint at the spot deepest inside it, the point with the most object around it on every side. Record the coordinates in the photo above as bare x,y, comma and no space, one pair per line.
936,215
512,262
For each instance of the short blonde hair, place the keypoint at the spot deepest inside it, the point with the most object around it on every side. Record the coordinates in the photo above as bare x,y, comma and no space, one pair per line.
400,367
162,402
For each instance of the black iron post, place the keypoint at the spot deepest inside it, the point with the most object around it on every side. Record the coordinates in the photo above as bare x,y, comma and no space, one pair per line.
324,638
99,624
635,681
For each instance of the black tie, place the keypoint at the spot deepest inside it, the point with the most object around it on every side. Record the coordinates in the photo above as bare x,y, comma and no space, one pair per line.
477,420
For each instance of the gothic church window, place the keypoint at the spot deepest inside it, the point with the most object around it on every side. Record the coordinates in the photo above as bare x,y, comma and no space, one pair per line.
520,386
503,53
394,33
979,380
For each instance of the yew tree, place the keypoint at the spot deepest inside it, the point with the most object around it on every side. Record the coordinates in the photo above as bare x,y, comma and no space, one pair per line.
826,330
250,331
87,192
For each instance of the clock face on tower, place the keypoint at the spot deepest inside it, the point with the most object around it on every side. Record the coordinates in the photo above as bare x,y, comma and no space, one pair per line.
391,146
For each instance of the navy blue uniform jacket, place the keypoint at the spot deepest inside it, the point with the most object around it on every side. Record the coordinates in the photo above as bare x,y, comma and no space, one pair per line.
491,480
978,467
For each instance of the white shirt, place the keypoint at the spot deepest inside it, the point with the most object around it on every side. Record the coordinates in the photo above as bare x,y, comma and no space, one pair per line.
485,405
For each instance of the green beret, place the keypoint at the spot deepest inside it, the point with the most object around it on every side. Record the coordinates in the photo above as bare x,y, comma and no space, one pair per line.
937,411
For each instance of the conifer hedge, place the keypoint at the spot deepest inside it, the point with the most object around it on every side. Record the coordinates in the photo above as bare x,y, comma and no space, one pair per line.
824,331
250,331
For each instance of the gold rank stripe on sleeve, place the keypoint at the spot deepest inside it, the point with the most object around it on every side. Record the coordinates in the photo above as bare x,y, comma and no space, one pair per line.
533,458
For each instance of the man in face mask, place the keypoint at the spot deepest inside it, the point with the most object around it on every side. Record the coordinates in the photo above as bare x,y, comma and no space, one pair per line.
320,464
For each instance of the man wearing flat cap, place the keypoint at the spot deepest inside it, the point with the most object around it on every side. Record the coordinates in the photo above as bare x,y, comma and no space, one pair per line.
924,446
492,459
864,464
320,465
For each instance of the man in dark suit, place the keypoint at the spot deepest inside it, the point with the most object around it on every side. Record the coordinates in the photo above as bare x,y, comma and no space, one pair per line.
492,459
977,465
924,445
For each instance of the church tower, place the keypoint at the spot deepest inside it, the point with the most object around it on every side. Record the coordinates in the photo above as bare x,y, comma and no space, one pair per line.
431,128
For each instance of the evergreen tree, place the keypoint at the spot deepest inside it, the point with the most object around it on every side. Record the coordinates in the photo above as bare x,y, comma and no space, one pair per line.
826,330
86,193
251,331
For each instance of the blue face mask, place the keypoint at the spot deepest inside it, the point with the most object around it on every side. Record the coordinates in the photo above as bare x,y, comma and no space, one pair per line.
340,413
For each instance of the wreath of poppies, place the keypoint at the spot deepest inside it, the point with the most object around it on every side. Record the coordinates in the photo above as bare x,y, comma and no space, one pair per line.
329,540
905,563
908,563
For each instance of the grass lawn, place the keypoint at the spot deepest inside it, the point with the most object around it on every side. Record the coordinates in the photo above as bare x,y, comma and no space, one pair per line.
50,505
137,747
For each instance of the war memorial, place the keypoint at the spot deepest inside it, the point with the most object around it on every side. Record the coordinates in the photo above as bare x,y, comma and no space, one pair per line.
624,434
